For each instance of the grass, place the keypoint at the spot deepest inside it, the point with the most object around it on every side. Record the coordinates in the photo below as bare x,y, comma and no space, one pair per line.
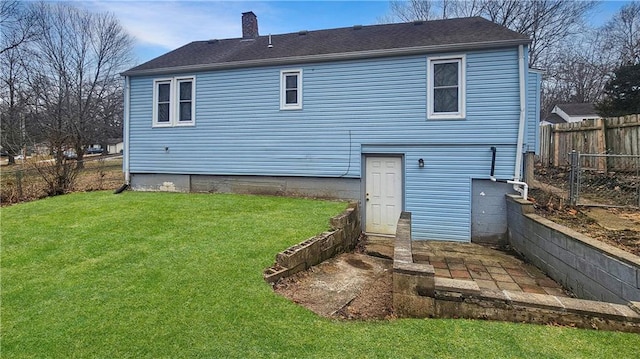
157,275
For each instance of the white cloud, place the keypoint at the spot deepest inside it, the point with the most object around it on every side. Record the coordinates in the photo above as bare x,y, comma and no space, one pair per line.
171,24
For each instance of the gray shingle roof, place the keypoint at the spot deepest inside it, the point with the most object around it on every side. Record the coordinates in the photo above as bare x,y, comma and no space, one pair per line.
554,118
578,109
341,43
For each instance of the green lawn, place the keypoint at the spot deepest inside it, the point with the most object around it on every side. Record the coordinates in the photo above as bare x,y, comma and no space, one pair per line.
158,275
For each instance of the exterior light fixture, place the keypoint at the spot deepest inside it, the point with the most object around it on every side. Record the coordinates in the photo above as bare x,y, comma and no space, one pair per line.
421,163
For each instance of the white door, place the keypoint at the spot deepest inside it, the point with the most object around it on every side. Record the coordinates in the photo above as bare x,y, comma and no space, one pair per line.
383,194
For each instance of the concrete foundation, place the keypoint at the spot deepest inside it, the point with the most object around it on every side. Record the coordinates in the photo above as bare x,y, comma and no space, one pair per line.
315,187
160,182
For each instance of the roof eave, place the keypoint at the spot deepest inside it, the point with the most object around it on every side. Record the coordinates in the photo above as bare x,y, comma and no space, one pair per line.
330,57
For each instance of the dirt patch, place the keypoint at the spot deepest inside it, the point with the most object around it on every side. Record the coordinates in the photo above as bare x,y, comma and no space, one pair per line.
358,263
349,286
615,226
614,219
374,302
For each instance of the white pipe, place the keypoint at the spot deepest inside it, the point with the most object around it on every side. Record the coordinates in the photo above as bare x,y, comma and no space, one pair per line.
518,166
125,153
524,191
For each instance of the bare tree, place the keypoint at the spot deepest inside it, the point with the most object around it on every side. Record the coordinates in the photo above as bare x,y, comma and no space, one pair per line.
547,22
578,73
468,8
74,82
12,103
17,24
17,29
80,56
623,33
407,11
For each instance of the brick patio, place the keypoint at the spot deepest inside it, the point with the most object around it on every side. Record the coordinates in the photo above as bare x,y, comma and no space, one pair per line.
489,268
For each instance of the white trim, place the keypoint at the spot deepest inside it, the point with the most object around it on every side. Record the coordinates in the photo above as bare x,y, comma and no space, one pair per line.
156,83
178,80
283,92
461,61
522,123
174,101
126,132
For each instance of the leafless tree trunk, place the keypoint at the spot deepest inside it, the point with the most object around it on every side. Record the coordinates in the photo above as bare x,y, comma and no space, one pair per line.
12,104
623,34
17,30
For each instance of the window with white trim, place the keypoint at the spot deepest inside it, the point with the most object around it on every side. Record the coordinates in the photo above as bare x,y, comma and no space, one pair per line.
291,89
174,102
446,87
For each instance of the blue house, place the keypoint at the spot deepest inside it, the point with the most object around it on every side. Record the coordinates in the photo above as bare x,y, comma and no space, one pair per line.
428,117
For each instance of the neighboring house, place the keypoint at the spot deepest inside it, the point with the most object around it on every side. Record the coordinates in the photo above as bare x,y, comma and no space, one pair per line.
572,112
402,117
552,119
115,145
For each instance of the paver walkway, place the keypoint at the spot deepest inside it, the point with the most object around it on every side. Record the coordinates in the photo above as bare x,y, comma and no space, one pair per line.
489,268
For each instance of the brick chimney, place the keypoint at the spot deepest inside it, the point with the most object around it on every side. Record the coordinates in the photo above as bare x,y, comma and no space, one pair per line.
249,25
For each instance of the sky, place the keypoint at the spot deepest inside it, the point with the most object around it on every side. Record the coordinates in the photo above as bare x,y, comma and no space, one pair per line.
161,26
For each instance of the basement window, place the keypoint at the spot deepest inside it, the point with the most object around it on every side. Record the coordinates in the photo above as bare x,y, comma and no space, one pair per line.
174,102
291,89
446,87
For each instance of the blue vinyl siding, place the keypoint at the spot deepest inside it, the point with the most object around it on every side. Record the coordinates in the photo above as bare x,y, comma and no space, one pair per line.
349,108
438,195
532,141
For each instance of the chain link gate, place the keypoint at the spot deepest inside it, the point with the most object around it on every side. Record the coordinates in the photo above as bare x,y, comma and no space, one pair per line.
604,180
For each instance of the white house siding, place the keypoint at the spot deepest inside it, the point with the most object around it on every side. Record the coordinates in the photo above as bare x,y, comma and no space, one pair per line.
349,108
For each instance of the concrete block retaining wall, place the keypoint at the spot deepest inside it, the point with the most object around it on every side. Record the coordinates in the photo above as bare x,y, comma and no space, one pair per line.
589,268
418,293
343,237
413,283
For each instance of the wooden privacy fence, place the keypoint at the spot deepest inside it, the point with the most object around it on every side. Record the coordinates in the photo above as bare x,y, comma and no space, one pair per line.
618,135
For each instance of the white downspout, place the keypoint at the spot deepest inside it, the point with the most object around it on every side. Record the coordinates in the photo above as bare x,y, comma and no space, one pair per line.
125,159
518,185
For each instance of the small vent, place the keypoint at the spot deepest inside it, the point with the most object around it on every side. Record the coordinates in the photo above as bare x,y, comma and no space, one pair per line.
303,32
357,27
212,41
418,22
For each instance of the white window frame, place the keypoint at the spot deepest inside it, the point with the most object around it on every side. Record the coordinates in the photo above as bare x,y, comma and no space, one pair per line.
283,91
193,101
460,60
174,101
156,84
